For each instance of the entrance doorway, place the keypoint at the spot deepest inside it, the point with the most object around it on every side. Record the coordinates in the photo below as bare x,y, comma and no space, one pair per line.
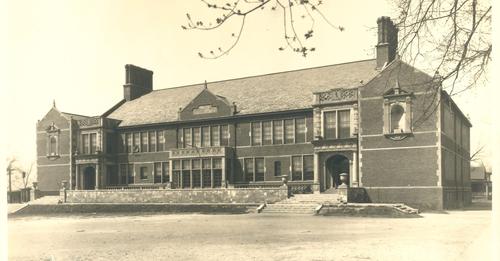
336,165
89,178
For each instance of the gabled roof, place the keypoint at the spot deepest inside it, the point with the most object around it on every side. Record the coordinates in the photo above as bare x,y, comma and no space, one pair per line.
256,94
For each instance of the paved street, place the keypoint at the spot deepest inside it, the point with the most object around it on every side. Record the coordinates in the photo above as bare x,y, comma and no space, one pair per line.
436,236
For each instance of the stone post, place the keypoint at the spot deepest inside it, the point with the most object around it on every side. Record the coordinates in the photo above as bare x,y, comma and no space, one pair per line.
316,184
355,182
62,192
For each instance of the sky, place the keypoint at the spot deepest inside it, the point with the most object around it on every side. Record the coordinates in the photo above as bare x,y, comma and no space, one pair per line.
74,52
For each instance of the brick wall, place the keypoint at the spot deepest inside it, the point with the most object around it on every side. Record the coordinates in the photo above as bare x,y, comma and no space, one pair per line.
401,167
421,198
250,195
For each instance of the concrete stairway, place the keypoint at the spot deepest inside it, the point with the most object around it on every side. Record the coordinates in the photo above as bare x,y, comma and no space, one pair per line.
332,198
301,203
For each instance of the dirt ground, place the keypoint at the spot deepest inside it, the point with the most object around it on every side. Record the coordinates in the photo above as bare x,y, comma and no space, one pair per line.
456,235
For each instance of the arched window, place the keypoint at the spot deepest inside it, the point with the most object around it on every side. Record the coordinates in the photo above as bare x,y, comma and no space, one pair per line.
53,146
397,119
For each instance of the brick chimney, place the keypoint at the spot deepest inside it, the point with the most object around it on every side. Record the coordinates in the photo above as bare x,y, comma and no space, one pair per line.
387,44
138,81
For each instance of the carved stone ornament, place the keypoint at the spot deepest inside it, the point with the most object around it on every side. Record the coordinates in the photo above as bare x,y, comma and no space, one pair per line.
88,122
52,128
336,95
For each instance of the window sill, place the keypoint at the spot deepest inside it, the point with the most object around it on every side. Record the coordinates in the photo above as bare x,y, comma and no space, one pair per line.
398,136
53,157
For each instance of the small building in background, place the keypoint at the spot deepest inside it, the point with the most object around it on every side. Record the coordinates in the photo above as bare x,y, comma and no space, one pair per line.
480,178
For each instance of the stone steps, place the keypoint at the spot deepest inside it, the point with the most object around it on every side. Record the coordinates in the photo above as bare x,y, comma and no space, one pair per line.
290,208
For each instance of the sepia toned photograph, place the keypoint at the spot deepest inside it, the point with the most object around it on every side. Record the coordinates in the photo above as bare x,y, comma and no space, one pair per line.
249,130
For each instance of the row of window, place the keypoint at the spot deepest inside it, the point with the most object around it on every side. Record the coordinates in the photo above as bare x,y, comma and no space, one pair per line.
205,136
302,168
197,173
146,141
160,173
278,132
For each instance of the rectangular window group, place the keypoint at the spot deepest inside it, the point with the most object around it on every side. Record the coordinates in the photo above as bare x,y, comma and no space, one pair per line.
197,173
337,124
161,172
286,131
302,167
146,141
206,136
126,174
88,143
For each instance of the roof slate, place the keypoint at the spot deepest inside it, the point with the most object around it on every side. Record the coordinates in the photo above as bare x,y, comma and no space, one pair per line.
256,94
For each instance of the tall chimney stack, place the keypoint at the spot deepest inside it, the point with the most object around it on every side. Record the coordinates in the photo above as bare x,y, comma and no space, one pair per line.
387,44
138,81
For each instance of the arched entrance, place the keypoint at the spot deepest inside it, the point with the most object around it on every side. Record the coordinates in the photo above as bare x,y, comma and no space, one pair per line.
89,178
336,165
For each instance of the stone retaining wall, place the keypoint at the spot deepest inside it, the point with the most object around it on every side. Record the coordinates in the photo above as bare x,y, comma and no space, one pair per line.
223,195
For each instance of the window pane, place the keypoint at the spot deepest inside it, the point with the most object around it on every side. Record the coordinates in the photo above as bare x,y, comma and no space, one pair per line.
144,172
129,142
93,143
196,178
130,173
206,164
180,136
224,135
123,143
289,131
297,168
144,141
207,178
215,136
161,140
308,167
249,170
53,146
277,168
278,132
187,138
165,172
205,136
123,174
256,134
137,142
217,163
157,172
197,137
344,124
86,143
152,141
330,125
259,169
300,130
196,164
267,131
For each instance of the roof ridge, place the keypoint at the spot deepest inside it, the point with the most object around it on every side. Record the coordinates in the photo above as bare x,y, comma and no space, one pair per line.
266,74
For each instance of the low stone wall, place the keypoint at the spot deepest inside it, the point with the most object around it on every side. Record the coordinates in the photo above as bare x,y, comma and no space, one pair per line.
222,195
421,198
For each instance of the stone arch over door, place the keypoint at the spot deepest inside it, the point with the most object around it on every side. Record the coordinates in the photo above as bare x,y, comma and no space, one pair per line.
334,166
89,174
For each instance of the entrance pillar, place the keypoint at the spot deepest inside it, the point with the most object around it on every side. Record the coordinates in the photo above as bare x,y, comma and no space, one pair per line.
354,171
77,177
223,178
97,176
316,184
